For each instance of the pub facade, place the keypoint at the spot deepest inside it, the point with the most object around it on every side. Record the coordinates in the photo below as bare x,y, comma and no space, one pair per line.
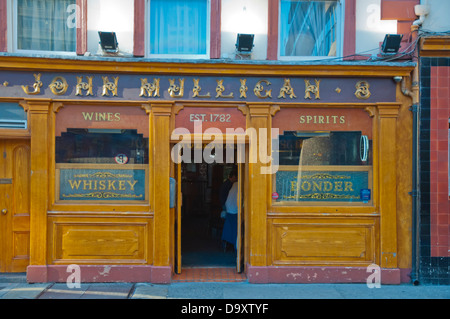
114,165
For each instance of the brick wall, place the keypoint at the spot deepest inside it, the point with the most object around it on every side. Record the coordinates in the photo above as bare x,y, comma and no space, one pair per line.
434,176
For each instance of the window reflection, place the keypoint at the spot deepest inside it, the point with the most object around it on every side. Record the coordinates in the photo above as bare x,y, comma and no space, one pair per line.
323,148
101,146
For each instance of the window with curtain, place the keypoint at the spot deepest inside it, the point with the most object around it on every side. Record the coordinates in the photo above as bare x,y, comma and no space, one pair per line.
179,27
308,28
45,25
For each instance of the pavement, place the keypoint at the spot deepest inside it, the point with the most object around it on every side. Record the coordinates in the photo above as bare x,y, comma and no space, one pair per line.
16,287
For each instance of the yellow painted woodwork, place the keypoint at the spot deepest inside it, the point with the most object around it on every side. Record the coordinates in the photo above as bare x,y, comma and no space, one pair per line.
38,110
100,239
15,205
323,241
388,184
274,235
160,122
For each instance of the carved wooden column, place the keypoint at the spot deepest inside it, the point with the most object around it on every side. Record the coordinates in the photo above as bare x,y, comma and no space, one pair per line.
259,119
387,125
160,152
38,110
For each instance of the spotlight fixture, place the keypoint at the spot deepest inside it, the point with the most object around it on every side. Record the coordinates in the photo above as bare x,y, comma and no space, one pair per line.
244,43
391,43
108,42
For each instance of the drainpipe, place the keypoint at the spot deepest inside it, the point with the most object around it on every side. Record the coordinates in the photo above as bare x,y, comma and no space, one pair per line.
415,193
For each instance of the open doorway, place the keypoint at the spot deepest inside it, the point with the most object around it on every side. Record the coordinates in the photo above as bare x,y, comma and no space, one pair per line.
202,223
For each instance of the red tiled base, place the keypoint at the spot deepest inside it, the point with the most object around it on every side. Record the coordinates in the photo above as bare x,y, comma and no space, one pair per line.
101,273
209,275
310,275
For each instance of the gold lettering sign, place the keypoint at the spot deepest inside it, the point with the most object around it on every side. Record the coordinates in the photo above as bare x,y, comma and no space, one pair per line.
220,89
59,85
362,90
322,119
36,86
259,88
101,116
243,88
87,86
311,88
287,89
147,89
110,86
197,89
173,88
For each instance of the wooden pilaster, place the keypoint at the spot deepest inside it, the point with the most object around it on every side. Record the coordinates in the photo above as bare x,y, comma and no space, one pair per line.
38,110
387,124
160,148
258,183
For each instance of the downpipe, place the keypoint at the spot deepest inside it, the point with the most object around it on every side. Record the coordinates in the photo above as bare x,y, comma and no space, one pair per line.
415,193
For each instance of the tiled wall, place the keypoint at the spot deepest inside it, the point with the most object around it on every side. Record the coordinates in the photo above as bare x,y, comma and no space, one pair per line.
434,168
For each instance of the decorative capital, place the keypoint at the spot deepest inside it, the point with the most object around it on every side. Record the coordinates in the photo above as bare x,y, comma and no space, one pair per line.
388,110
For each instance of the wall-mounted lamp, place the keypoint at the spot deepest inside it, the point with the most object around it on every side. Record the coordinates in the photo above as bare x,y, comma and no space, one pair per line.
244,43
391,43
108,42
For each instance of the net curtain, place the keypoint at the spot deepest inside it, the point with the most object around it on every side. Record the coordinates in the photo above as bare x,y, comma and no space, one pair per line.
178,27
43,25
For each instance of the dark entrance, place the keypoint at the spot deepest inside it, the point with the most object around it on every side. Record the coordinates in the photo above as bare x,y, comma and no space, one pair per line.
201,226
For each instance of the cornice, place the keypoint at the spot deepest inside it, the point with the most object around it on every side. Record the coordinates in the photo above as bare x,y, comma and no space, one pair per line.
204,67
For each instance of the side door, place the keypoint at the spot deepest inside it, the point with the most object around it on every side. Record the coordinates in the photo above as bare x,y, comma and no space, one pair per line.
14,205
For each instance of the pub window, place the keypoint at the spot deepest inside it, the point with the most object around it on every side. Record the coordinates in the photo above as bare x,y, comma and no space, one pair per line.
102,165
179,28
43,25
331,167
309,28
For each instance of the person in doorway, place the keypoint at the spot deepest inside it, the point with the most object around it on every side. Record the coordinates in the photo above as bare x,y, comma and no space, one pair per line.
225,188
229,233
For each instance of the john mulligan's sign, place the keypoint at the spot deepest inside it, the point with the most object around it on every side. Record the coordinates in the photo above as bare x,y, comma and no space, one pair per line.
102,184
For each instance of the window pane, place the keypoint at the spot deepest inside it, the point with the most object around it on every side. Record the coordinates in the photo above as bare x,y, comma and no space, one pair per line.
308,28
12,116
102,164
43,25
178,26
333,167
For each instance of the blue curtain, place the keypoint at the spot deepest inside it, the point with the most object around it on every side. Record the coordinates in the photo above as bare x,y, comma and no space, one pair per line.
42,25
308,28
178,26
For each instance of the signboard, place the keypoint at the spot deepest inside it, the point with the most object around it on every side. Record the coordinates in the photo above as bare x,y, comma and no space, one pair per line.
324,186
102,117
200,119
320,119
106,184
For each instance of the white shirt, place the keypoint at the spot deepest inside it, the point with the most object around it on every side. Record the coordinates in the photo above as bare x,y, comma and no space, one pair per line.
231,204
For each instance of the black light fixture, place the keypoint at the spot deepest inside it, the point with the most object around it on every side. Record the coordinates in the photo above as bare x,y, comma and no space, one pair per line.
108,42
391,43
244,43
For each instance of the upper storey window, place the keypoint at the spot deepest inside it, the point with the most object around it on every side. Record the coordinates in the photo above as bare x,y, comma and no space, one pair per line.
309,28
45,25
179,28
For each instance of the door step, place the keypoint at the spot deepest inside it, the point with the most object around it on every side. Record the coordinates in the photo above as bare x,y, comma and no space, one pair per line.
209,275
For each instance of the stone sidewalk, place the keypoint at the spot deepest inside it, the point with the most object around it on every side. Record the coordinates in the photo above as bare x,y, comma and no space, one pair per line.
208,290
